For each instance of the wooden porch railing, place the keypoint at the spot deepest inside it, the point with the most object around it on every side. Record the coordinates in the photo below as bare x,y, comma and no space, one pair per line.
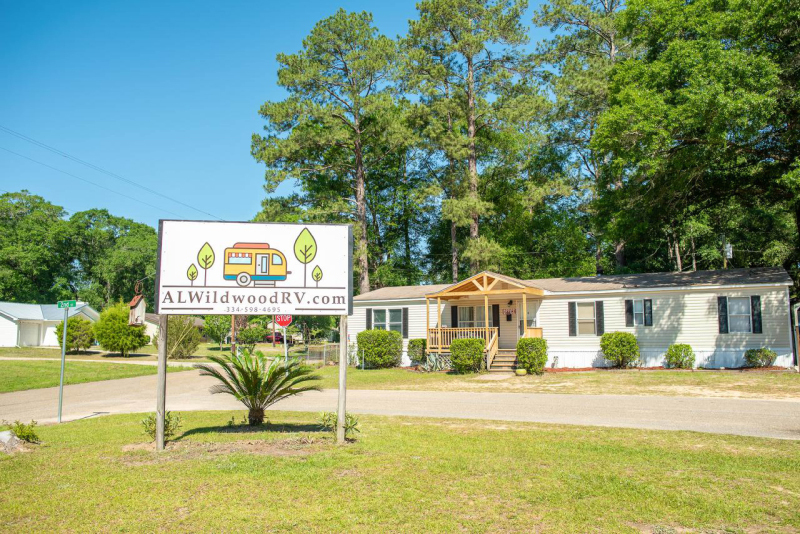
491,351
440,339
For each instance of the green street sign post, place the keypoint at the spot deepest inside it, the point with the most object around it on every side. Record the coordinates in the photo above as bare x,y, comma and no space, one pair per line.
66,305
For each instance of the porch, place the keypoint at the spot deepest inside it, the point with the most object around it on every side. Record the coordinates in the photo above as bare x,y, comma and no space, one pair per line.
475,304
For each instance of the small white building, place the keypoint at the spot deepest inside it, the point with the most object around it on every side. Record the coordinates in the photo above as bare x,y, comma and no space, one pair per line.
151,326
34,325
721,314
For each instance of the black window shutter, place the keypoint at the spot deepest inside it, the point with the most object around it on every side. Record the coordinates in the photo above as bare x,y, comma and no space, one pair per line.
405,323
628,313
573,318
599,318
454,316
369,318
496,315
648,312
755,310
722,311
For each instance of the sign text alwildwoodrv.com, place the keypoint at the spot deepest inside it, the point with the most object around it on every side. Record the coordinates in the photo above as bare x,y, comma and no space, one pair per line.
226,268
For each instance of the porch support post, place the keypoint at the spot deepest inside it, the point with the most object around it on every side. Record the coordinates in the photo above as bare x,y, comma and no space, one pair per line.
427,324
486,316
439,324
524,314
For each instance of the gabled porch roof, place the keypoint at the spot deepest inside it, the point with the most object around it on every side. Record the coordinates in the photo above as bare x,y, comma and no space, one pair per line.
486,283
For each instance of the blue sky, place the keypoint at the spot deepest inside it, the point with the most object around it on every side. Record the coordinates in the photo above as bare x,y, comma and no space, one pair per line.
165,94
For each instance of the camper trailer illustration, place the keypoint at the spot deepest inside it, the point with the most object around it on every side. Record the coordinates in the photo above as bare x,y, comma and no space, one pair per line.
254,263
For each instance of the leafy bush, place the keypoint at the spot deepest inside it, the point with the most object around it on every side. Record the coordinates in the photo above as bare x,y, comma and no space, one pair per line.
251,379
25,432
679,356
532,354
330,421
620,348
183,337
80,333
466,355
115,334
381,348
416,350
172,423
762,357
248,337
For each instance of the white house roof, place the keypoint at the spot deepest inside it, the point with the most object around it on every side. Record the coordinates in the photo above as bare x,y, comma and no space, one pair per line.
733,277
42,312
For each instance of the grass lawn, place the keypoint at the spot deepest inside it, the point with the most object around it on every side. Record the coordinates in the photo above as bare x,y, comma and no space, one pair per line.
402,475
20,375
745,384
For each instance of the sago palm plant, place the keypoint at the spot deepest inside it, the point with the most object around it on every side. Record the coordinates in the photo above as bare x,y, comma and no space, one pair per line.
257,383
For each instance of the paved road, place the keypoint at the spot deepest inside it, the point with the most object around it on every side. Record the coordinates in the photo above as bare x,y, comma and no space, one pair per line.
189,391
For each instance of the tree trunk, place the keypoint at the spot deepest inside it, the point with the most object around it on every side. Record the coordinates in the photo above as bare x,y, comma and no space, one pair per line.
473,157
619,253
361,216
453,251
694,259
255,416
678,255
598,256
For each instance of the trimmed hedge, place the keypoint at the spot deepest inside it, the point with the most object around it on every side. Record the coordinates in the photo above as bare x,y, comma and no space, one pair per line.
532,354
620,348
416,350
466,355
762,357
381,348
679,356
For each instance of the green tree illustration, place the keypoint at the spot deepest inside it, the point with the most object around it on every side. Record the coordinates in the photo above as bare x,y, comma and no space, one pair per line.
316,274
206,259
305,250
192,273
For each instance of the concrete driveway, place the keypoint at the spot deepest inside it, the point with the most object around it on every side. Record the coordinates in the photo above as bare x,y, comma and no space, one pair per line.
189,391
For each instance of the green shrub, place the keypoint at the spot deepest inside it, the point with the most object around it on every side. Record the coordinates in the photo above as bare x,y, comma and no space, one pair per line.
532,354
115,334
762,357
172,423
466,355
679,356
80,333
416,350
381,348
183,338
620,348
330,421
247,338
25,432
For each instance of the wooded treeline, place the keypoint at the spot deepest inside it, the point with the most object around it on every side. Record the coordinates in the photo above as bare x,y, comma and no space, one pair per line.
640,137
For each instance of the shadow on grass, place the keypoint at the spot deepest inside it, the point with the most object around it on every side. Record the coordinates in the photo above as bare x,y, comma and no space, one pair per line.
131,355
282,428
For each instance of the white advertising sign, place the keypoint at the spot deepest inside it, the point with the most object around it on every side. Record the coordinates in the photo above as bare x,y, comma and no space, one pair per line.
239,268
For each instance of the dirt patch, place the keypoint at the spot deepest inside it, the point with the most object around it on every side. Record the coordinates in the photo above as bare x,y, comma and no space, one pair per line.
188,450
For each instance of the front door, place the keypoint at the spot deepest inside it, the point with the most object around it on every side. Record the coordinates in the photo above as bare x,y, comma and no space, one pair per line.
508,329
262,264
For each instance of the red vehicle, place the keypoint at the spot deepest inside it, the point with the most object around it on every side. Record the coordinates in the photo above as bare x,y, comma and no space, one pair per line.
278,337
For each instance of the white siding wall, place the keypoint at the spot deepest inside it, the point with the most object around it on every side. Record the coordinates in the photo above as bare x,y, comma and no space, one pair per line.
30,333
678,317
8,332
416,320
49,338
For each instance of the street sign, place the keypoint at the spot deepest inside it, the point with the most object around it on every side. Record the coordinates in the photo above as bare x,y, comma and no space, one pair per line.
66,303
236,268
283,320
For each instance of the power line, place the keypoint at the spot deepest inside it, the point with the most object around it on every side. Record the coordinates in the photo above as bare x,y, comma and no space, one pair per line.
89,182
100,169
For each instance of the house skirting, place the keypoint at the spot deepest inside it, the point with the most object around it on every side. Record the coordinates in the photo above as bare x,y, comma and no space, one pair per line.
708,358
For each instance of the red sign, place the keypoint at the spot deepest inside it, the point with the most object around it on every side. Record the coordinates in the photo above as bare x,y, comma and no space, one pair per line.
283,320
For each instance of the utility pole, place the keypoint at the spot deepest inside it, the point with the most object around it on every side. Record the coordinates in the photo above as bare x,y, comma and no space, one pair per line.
724,252
342,379
161,393
233,334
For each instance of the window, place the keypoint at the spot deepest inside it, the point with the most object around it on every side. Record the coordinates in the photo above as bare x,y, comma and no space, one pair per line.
586,320
638,312
391,319
739,314
277,260
242,260
472,317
